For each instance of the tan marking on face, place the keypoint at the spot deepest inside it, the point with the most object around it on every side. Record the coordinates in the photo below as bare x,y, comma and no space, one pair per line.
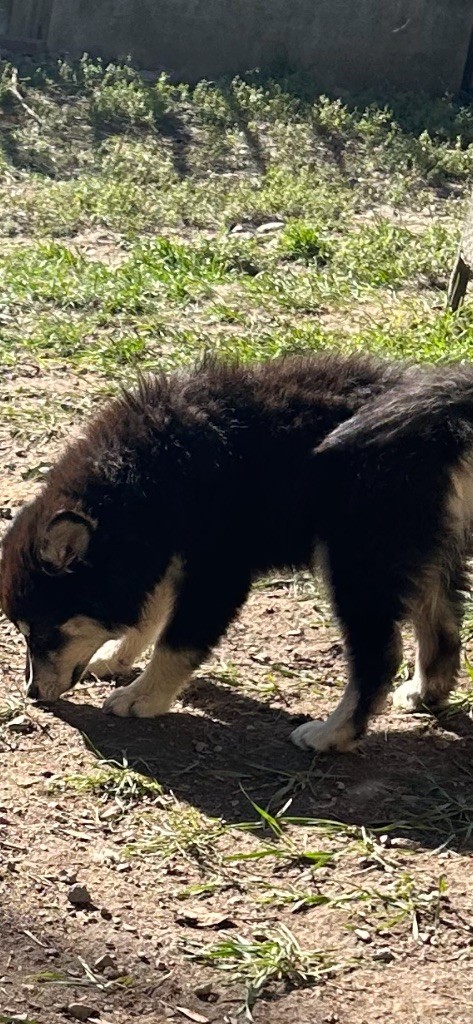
84,636
53,674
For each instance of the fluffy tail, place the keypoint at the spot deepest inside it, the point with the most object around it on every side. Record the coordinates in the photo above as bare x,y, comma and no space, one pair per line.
426,401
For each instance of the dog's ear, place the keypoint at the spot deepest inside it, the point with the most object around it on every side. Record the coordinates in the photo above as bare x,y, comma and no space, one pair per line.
65,541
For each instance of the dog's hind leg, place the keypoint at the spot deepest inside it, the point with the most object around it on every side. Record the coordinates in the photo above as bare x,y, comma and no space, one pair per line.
374,651
204,607
436,616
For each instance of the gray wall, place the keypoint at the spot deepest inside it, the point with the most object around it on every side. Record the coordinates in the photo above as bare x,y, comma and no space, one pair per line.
347,44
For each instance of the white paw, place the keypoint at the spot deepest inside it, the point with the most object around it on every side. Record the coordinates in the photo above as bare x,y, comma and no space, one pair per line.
106,663
408,697
322,736
135,701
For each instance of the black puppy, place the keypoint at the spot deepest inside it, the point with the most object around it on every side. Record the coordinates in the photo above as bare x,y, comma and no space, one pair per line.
154,523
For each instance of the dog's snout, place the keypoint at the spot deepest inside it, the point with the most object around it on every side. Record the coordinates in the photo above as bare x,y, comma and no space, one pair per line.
32,691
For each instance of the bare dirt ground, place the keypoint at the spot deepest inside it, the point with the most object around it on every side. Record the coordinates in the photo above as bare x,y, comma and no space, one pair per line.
363,862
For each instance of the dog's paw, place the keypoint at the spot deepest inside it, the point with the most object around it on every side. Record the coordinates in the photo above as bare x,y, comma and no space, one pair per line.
134,702
106,664
407,697
322,736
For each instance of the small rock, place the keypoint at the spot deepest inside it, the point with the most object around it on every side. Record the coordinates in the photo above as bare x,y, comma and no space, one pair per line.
110,813
404,843
79,896
204,992
106,914
385,955
198,1018
363,935
105,961
21,724
112,973
272,225
82,1011
68,877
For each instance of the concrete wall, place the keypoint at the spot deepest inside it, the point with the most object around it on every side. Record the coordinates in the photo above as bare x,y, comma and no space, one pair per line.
348,44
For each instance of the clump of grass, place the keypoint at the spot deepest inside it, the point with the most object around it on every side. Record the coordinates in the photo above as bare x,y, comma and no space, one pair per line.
119,783
181,832
305,242
262,960
406,900
121,100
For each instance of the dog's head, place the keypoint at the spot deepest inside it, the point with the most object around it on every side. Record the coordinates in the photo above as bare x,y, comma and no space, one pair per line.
50,589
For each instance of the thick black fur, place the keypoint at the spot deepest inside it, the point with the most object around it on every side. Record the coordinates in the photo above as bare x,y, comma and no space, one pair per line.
241,470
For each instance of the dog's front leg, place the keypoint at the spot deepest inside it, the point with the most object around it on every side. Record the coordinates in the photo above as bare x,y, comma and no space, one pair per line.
155,690
205,605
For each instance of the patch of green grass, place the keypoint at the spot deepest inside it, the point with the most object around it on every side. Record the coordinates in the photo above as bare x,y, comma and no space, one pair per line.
301,899
383,254
303,241
112,781
263,960
170,170
405,900
180,832
120,99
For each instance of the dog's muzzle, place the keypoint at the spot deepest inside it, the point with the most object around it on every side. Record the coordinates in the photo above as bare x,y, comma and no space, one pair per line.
32,688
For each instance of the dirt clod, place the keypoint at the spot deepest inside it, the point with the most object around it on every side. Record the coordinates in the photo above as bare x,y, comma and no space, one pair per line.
79,896
82,1011
104,962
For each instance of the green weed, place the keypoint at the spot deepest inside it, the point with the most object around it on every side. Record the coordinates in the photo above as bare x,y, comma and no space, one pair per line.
115,782
261,961
182,831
